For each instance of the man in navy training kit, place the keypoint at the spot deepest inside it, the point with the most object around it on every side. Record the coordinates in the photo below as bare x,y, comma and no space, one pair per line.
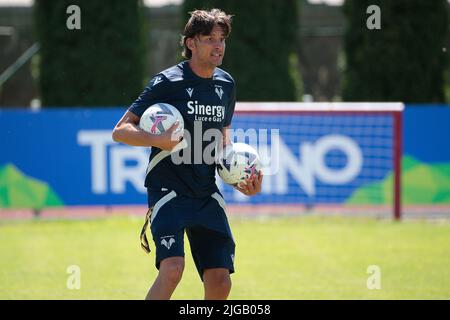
184,196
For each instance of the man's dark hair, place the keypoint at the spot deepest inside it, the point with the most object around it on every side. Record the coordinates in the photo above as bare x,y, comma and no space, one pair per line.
202,22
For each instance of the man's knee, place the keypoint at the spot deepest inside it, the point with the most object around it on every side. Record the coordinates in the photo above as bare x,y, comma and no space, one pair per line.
217,279
171,269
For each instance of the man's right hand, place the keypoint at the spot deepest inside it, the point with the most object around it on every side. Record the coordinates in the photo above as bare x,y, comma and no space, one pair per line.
169,138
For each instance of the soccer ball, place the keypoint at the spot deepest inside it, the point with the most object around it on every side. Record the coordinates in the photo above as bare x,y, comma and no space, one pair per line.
160,117
238,162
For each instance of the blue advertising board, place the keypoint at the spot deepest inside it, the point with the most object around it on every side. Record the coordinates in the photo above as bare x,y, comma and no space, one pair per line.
308,159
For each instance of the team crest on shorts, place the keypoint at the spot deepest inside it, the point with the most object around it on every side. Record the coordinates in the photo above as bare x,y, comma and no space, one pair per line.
167,242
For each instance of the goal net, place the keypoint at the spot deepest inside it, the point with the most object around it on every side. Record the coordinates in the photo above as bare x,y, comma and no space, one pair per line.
335,157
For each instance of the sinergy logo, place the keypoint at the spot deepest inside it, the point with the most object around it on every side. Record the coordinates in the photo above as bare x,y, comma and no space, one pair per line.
207,112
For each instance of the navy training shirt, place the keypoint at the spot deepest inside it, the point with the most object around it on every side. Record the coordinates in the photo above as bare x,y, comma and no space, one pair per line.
206,103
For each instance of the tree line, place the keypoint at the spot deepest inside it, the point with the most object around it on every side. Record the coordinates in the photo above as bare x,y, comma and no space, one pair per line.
98,60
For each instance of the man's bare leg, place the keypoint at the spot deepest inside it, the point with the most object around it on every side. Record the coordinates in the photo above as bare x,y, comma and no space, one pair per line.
170,273
217,283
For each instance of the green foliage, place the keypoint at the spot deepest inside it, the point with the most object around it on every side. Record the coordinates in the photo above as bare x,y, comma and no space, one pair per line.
404,60
101,64
259,50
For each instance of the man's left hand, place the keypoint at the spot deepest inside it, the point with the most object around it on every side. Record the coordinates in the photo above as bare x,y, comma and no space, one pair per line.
252,185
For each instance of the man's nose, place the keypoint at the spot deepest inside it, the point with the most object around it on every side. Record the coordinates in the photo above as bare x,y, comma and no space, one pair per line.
218,44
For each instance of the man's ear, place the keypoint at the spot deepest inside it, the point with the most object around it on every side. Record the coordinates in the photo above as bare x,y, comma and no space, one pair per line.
190,43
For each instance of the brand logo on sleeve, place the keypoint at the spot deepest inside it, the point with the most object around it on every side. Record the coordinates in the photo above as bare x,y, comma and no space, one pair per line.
157,80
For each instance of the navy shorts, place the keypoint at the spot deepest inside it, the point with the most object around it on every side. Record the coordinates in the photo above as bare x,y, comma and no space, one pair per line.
206,225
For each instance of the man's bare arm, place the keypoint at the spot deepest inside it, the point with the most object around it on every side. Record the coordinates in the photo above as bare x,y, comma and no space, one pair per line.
127,131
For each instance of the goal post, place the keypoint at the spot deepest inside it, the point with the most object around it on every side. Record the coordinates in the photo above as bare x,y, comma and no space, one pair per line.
331,154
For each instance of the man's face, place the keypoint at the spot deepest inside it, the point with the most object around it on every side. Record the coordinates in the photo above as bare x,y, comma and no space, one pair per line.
209,49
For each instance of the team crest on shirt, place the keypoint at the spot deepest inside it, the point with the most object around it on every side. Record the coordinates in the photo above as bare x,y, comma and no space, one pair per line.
190,91
219,91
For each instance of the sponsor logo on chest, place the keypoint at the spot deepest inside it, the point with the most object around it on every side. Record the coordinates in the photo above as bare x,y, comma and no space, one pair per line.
205,112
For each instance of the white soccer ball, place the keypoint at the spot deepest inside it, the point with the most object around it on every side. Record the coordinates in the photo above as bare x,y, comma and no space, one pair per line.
238,162
160,117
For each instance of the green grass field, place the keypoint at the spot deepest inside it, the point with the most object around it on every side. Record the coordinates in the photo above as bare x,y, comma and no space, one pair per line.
276,258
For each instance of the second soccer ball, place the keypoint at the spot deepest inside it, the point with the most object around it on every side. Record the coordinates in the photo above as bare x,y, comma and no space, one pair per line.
238,162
